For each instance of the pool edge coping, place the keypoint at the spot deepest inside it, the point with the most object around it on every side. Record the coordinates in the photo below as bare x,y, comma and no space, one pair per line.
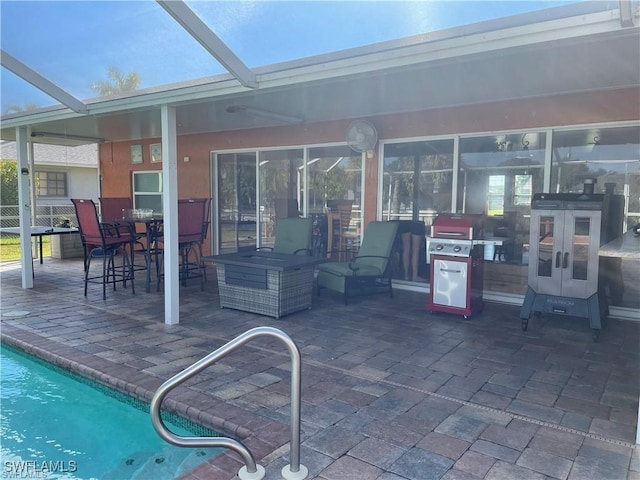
227,461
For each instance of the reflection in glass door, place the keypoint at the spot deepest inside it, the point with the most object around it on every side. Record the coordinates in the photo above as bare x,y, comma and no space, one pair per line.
581,247
281,179
417,186
545,246
236,191
334,196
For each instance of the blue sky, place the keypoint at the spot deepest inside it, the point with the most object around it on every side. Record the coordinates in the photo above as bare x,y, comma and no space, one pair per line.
73,43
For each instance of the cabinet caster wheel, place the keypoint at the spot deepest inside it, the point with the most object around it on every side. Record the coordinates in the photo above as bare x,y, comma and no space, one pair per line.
466,317
595,335
525,324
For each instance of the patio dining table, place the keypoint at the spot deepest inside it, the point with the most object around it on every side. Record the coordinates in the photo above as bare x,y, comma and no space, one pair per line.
152,226
39,232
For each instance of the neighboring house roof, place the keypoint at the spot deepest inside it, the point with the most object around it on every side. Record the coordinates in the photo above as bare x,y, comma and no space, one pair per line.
44,154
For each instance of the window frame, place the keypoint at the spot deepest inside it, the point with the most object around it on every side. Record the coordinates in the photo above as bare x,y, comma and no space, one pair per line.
136,194
47,186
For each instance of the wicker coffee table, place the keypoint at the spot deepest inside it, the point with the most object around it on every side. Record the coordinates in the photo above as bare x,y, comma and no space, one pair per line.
267,283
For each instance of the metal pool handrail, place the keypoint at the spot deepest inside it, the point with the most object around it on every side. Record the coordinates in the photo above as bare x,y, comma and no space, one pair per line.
251,470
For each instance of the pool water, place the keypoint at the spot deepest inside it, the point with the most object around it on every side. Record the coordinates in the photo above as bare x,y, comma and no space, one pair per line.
55,427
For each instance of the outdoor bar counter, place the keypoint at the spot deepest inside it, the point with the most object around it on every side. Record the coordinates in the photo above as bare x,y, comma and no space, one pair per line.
267,283
625,246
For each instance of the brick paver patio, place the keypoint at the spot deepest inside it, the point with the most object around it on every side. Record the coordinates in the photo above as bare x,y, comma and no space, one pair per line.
390,392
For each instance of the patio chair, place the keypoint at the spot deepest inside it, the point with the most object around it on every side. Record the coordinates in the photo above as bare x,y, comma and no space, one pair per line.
339,222
205,228
104,240
293,236
369,270
193,224
113,210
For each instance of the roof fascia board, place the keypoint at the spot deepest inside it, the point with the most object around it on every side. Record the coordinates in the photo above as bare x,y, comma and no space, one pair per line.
487,26
188,20
33,119
603,22
66,166
34,78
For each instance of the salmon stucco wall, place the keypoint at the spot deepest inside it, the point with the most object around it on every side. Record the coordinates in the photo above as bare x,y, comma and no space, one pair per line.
531,113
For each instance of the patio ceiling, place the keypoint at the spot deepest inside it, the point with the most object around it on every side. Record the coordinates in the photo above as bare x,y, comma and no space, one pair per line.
577,48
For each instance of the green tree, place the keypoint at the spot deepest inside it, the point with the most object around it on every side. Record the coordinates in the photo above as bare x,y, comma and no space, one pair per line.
117,83
8,182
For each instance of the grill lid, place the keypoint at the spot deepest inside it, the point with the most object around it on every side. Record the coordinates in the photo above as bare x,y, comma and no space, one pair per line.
458,225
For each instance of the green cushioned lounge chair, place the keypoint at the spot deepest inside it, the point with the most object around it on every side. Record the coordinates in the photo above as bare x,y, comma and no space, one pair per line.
369,270
293,236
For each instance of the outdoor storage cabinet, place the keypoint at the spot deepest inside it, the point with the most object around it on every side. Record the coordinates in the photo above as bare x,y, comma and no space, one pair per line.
66,246
566,233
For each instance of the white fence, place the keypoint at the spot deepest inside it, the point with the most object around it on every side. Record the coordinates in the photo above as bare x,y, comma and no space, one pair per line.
49,215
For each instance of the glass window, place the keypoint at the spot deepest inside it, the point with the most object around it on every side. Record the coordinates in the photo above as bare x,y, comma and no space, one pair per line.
281,184
495,199
147,190
334,173
545,246
523,190
417,186
236,173
334,184
498,176
417,180
610,155
51,184
286,187
581,241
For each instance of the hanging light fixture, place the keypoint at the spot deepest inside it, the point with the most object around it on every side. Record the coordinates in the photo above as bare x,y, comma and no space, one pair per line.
64,136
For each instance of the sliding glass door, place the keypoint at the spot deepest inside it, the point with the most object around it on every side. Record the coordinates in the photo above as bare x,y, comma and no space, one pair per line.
281,179
236,202
255,189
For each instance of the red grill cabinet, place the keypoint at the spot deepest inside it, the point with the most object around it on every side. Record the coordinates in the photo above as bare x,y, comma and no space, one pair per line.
457,270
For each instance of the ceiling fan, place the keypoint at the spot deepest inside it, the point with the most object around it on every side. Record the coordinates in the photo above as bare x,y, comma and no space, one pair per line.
362,137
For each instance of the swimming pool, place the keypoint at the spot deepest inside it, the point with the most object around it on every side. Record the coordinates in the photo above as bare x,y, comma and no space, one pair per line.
56,427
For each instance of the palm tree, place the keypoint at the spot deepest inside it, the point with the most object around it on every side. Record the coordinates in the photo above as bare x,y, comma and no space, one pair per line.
117,83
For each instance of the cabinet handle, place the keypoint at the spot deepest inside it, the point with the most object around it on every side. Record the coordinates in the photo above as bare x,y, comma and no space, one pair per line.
558,260
565,262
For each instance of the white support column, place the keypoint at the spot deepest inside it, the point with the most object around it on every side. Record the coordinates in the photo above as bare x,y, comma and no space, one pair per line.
24,207
170,206
638,424
32,194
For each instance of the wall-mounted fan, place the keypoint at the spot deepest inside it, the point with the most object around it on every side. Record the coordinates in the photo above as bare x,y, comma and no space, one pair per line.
362,136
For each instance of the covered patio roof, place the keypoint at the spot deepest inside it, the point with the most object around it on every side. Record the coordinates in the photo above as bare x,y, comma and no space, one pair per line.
580,47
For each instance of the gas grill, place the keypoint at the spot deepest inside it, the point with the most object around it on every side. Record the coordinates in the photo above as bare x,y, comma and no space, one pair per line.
456,264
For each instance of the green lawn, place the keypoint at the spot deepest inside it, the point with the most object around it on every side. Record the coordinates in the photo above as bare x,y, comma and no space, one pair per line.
10,247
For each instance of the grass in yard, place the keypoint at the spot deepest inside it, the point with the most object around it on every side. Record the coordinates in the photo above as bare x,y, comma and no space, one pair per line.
10,247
